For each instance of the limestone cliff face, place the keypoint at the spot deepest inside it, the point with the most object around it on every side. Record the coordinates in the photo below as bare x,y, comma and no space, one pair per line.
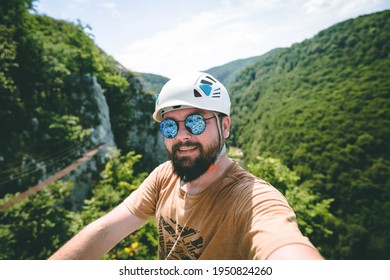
86,175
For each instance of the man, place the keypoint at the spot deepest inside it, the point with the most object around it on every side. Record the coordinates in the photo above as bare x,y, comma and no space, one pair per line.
205,205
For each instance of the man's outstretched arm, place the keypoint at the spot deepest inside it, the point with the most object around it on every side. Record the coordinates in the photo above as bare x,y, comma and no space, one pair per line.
295,252
100,236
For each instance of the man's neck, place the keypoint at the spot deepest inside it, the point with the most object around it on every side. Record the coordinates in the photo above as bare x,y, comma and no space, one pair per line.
209,178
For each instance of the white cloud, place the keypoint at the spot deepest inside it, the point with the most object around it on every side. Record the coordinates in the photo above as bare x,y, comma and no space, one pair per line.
204,41
237,29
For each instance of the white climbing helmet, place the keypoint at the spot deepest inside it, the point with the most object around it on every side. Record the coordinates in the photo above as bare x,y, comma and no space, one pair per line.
194,90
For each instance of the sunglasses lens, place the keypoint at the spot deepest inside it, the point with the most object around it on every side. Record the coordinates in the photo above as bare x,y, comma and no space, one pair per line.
195,124
168,128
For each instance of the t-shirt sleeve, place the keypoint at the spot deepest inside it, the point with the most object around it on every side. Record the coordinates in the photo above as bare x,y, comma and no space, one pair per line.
269,221
142,202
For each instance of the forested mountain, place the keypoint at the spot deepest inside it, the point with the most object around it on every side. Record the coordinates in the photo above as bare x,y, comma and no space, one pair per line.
227,72
152,83
322,106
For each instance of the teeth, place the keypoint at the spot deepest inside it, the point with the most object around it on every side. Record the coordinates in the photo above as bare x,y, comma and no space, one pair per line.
187,148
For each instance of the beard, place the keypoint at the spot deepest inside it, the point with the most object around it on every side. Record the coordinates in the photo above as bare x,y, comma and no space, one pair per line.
189,169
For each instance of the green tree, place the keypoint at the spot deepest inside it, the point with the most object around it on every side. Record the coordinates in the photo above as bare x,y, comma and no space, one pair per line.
313,215
118,180
35,227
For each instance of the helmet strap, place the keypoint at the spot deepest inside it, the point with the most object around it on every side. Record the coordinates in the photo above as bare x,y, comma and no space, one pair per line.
222,150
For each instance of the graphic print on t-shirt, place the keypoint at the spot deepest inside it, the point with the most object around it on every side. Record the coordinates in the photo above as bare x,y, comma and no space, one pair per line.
176,242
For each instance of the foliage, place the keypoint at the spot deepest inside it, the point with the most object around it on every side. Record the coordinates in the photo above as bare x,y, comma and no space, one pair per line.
37,226
117,181
152,83
313,215
130,112
7,59
48,101
229,72
130,115
69,128
38,108
322,107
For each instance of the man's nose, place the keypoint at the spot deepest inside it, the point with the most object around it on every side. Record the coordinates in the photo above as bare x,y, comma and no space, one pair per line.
183,133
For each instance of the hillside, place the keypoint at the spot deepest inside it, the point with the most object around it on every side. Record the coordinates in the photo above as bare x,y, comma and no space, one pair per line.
60,96
322,106
227,73
152,83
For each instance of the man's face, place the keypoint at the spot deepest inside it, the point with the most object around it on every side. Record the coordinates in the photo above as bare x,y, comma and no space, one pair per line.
192,155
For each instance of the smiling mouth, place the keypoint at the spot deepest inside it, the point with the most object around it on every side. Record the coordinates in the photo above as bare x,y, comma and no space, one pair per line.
186,148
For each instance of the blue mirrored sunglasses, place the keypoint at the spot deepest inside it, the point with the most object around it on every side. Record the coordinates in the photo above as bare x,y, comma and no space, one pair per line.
194,123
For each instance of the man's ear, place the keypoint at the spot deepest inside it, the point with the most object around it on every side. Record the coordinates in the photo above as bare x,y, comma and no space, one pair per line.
226,127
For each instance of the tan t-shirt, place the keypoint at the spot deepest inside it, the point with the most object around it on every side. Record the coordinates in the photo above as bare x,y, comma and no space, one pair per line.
240,217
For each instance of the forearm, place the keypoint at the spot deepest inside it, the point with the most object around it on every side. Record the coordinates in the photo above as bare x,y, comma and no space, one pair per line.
100,236
90,243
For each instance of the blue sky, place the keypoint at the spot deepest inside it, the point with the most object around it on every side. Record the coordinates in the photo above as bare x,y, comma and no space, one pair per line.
172,36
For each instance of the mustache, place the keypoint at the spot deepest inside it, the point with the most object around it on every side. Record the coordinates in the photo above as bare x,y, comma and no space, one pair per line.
180,144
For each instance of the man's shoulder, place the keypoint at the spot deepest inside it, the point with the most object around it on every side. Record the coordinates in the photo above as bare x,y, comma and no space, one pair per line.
165,166
246,183
242,176
163,171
